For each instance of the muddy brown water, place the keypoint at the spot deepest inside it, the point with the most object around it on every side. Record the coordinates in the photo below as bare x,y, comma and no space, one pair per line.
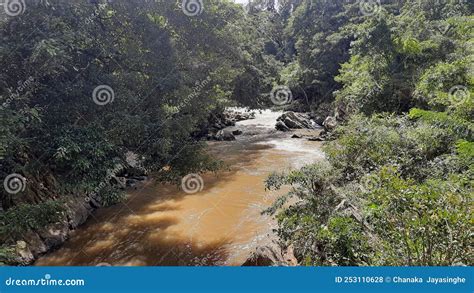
161,225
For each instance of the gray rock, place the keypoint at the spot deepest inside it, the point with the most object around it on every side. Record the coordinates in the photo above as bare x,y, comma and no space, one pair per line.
281,126
271,255
54,235
237,132
35,245
120,181
316,138
132,182
24,254
323,110
330,123
294,120
78,212
225,135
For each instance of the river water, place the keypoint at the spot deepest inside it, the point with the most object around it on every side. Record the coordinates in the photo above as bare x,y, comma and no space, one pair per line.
161,225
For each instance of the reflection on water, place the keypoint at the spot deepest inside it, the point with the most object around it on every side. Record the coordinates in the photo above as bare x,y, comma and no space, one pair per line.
161,225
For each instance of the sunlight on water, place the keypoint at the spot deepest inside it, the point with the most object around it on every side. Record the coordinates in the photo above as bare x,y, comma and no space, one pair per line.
221,225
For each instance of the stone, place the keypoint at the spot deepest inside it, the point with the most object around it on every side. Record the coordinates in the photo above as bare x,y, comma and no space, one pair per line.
25,256
281,126
294,120
78,212
225,135
271,255
237,132
54,235
132,182
330,123
35,245
315,138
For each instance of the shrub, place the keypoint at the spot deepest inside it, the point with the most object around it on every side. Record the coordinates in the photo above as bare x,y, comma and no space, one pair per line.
22,218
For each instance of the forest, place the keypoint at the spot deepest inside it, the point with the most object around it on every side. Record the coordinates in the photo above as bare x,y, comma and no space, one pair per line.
87,84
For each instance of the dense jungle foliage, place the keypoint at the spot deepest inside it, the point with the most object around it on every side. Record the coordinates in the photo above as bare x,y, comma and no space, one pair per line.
85,82
398,185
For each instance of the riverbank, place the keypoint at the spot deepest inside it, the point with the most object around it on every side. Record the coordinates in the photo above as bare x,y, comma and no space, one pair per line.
221,225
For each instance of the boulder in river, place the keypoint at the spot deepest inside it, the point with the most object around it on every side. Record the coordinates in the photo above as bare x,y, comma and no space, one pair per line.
323,110
237,132
220,121
293,120
244,116
225,135
330,123
281,126
316,138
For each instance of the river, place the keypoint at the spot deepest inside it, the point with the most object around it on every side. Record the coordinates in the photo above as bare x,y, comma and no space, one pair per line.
161,225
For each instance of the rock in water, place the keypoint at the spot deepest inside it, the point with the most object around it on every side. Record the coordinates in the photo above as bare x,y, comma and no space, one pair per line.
281,126
316,138
225,135
237,132
330,123
292,120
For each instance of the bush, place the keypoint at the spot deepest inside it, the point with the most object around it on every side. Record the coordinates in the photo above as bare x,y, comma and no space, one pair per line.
393,192
421,224
16,221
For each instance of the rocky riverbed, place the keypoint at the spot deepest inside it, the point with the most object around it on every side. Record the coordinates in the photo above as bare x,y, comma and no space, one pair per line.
221,224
